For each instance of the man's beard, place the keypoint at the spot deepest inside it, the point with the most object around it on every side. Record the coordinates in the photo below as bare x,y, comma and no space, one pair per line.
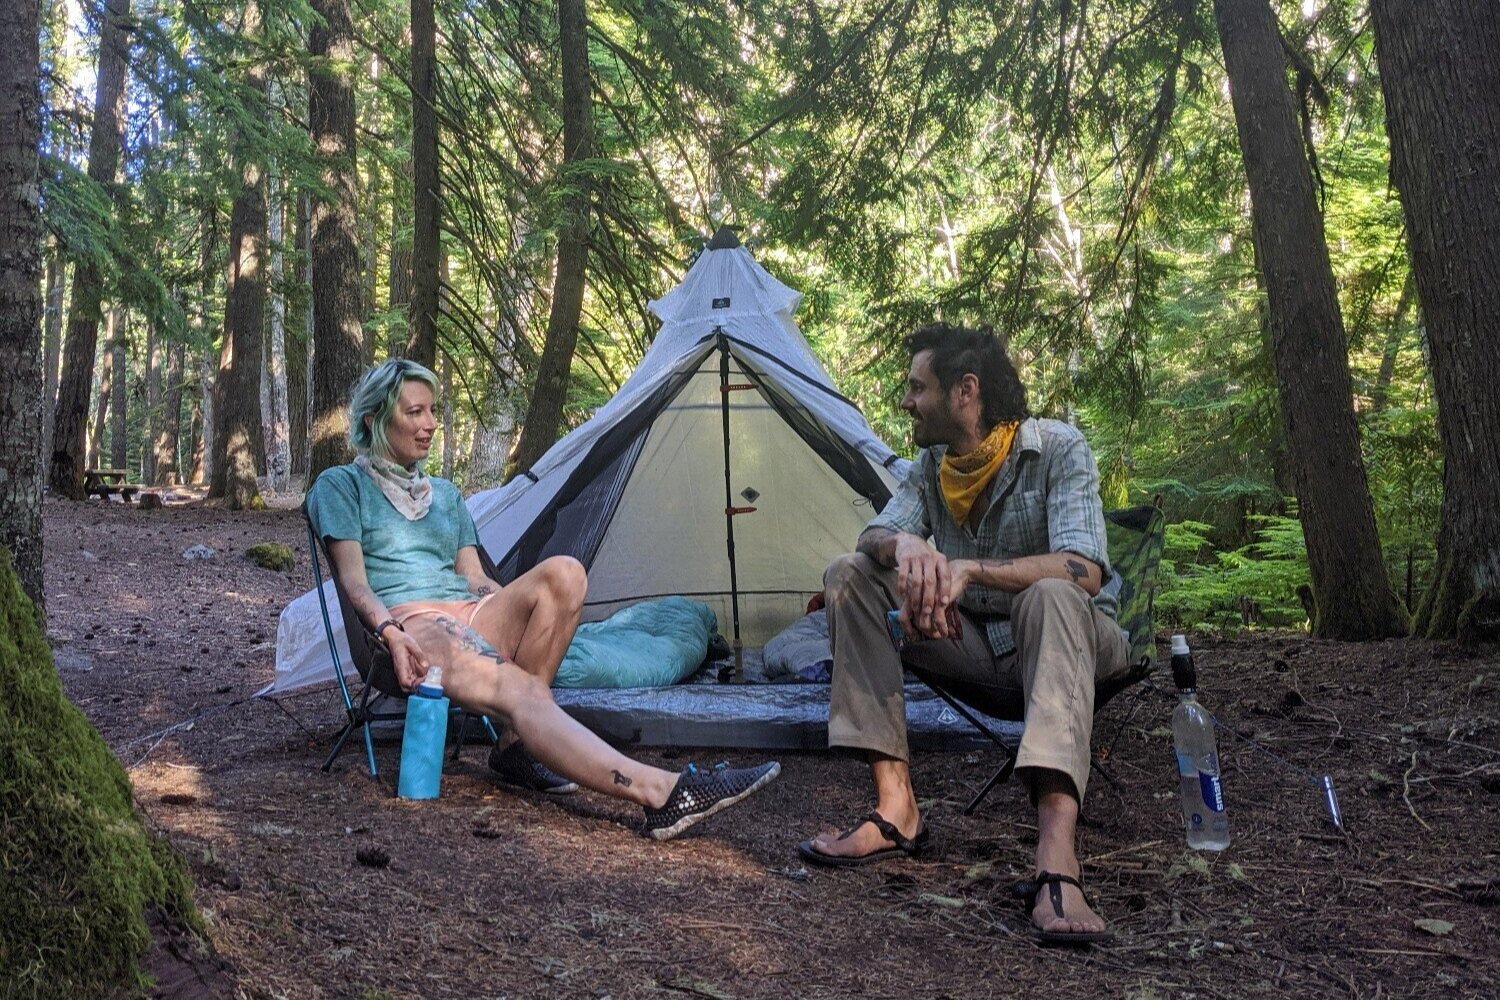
932,429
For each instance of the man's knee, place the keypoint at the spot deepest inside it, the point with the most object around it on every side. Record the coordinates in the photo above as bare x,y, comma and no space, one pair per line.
846,572
566,578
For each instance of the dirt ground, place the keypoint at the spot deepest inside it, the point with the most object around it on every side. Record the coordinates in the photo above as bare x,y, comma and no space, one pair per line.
489,894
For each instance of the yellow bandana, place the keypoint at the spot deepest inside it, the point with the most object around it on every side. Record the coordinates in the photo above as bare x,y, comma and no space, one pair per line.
964,477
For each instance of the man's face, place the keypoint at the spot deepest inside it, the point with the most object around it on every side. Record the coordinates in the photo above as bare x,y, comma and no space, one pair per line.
930,406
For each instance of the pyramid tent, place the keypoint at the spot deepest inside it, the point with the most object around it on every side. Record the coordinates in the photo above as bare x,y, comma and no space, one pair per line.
727,469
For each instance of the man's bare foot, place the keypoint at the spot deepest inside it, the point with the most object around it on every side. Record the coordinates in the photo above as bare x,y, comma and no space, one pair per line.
865,838
1077,918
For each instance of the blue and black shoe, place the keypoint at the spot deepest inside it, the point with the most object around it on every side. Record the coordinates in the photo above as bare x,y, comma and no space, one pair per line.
700,793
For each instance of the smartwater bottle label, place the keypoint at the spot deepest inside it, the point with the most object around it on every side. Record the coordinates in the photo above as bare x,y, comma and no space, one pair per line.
1213,792
1185,764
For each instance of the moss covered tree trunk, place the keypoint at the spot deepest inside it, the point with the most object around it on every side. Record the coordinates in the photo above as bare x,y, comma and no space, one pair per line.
78,869
1309,345
1440,71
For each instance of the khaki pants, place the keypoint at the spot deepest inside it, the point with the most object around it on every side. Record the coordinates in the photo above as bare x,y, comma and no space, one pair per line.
1063,646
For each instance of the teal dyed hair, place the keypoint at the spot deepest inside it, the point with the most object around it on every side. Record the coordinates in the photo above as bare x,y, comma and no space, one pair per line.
375,397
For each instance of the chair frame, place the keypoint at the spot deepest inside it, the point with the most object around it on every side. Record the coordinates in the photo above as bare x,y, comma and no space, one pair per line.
1103,694
360,715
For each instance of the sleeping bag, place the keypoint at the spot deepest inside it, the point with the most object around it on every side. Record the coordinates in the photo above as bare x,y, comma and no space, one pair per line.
651,644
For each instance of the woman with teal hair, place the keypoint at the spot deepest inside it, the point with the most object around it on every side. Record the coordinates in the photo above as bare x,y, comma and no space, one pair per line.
407,553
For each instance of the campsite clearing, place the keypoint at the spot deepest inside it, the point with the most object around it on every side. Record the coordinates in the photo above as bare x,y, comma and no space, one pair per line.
490,894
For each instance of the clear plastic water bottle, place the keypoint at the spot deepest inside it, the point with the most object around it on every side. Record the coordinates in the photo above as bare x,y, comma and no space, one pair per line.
1197,758
423,738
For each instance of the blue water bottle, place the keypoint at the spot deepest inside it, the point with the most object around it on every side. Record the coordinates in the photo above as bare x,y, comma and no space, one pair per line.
423,739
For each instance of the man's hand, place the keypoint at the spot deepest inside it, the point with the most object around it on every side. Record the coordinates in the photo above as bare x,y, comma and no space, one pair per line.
922,582
407,657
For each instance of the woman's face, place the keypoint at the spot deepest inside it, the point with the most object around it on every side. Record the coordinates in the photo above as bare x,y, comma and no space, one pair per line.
409,434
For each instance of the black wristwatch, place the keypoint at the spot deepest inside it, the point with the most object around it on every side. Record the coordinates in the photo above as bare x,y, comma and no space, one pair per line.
380,629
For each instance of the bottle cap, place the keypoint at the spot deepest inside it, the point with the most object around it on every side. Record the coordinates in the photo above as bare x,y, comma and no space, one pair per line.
432,684
1179,645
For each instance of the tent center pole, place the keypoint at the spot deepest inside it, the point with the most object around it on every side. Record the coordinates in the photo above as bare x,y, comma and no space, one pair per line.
734,584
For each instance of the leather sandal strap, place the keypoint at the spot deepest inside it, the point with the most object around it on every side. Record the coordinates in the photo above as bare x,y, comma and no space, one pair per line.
1053,881
887,830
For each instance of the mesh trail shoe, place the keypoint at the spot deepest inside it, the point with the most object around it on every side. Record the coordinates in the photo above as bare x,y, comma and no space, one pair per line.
515,766
700,793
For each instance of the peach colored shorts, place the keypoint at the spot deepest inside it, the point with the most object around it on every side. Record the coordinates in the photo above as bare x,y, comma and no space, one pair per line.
463,611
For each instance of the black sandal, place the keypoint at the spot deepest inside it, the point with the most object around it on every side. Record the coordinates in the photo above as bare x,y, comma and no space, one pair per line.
905,847
1053,882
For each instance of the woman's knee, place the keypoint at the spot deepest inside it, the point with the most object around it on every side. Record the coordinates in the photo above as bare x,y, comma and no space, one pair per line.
566,578
521,692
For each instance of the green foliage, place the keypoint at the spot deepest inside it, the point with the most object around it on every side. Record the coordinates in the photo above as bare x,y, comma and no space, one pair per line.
1202,587
78,868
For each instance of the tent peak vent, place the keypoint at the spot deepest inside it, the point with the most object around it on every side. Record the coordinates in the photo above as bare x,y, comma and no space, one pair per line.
724,239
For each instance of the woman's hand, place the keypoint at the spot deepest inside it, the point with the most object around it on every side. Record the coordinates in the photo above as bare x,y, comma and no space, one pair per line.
407,657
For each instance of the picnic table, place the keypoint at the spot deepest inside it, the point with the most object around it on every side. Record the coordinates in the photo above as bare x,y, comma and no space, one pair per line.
103,482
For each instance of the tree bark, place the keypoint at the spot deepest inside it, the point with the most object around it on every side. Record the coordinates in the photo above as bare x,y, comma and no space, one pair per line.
1440,73
421,345
203,416
70,423
20,294
305,212
168,427
1309,345
238,441
51,349
118,413
153,404
335,239
105,391
278,433
544,415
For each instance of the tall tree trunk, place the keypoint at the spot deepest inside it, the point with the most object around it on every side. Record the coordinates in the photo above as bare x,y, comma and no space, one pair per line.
1309,346
153,404
118,412
335,240
237,427
1440,72
105,391
164,445
278,433
421,345
445,378
309,413
399,291
51,350
20,294
203,415
70,424
544,415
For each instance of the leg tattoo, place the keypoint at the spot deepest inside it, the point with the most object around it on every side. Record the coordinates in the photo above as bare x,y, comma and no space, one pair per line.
620,779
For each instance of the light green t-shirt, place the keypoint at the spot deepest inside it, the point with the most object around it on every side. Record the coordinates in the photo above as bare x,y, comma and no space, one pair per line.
404,560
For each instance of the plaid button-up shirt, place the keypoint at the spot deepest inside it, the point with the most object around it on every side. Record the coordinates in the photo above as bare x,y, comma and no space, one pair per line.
1045,499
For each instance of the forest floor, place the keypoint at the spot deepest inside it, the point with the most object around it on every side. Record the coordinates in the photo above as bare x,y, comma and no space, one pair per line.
490,894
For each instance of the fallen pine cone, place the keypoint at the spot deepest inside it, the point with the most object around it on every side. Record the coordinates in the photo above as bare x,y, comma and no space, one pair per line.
373,857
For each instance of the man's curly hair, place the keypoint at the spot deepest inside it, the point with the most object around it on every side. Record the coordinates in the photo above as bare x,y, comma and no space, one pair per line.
959,350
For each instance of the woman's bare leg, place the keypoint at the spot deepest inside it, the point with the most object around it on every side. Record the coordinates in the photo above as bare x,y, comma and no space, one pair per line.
480,681
533,618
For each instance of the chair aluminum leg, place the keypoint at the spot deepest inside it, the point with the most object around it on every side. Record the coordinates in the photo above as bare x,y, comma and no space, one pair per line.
1006,769
997,778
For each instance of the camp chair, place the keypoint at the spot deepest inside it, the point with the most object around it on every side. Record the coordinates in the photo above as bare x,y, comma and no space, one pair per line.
1135,536
371,658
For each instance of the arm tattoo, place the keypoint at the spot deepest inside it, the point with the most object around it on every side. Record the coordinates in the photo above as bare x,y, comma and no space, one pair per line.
620,779
485,588
1077,570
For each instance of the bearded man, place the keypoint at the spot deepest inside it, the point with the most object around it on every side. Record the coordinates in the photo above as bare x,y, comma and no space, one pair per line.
993,551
